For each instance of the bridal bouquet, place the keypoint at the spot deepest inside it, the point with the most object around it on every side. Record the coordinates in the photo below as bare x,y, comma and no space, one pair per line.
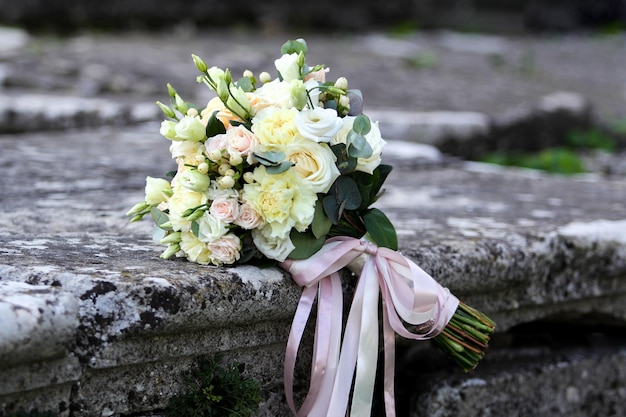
286,169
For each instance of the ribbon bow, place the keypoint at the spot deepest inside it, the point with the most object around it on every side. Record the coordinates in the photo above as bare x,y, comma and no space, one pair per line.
409,295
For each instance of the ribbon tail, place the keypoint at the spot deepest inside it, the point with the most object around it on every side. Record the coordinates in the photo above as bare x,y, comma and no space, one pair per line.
367,357
389,338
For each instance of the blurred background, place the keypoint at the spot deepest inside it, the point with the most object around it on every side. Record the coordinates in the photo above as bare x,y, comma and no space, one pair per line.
496,80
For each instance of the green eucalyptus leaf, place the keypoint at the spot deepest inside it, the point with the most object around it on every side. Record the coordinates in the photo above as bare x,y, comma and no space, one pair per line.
362,124
331,208
359,147
159,217
347,166
214,126
381,173
294,47
279,168
380,229
245,83
347,192
321,222
157,233
269,158
306,244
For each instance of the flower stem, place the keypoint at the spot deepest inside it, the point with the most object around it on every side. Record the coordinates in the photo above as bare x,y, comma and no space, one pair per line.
466,337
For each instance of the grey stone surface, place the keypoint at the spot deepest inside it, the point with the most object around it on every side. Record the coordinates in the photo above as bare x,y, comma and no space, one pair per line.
522,246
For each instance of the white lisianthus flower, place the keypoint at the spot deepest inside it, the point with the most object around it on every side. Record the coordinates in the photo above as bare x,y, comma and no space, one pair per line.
155,190
276,92
195,250
287,66
318,124
168,129
284,201
272,247
210,228
374,139
179,202
275,127
314,162
193,180
186,149
225,250
216,193
225,209
248,217
190,128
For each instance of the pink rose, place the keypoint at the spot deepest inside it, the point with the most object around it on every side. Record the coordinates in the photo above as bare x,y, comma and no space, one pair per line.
319,75
225,250
248,217
225,209
240,140
217,142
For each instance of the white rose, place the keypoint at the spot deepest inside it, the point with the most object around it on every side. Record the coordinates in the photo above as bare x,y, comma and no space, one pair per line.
225,209
190,128
248,218
210,228
155,188
225,250
318,124
287,66
274,248
373,138
314,163
195,250
193,180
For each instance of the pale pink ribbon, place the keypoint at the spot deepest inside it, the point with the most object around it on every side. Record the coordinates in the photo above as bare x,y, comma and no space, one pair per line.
409,295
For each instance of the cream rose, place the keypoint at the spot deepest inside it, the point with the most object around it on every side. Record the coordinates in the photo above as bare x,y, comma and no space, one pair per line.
272,247
225,209
276,92
190,128
318,124
248,218
275,127
287,66
225,250
195,250
314,163
155,190
373,138
284,201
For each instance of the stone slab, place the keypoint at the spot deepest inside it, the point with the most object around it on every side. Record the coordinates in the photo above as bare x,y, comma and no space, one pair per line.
518,244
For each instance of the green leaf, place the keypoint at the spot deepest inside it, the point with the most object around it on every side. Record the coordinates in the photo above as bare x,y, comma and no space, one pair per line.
279,168
362,124
321,223
269,158
346,191
245,83
214,126
380,229
195,228
306,244
159,217
358,146
294,47
331,208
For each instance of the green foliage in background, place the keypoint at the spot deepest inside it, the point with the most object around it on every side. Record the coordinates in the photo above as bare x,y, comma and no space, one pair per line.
563,160
216,390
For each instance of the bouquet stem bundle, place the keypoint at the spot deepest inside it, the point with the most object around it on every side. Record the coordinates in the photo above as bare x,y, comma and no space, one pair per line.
466,337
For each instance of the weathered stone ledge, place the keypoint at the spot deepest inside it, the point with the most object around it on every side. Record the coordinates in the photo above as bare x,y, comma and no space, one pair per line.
520,245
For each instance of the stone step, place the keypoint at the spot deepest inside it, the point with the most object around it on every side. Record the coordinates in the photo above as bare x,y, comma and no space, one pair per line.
520,245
